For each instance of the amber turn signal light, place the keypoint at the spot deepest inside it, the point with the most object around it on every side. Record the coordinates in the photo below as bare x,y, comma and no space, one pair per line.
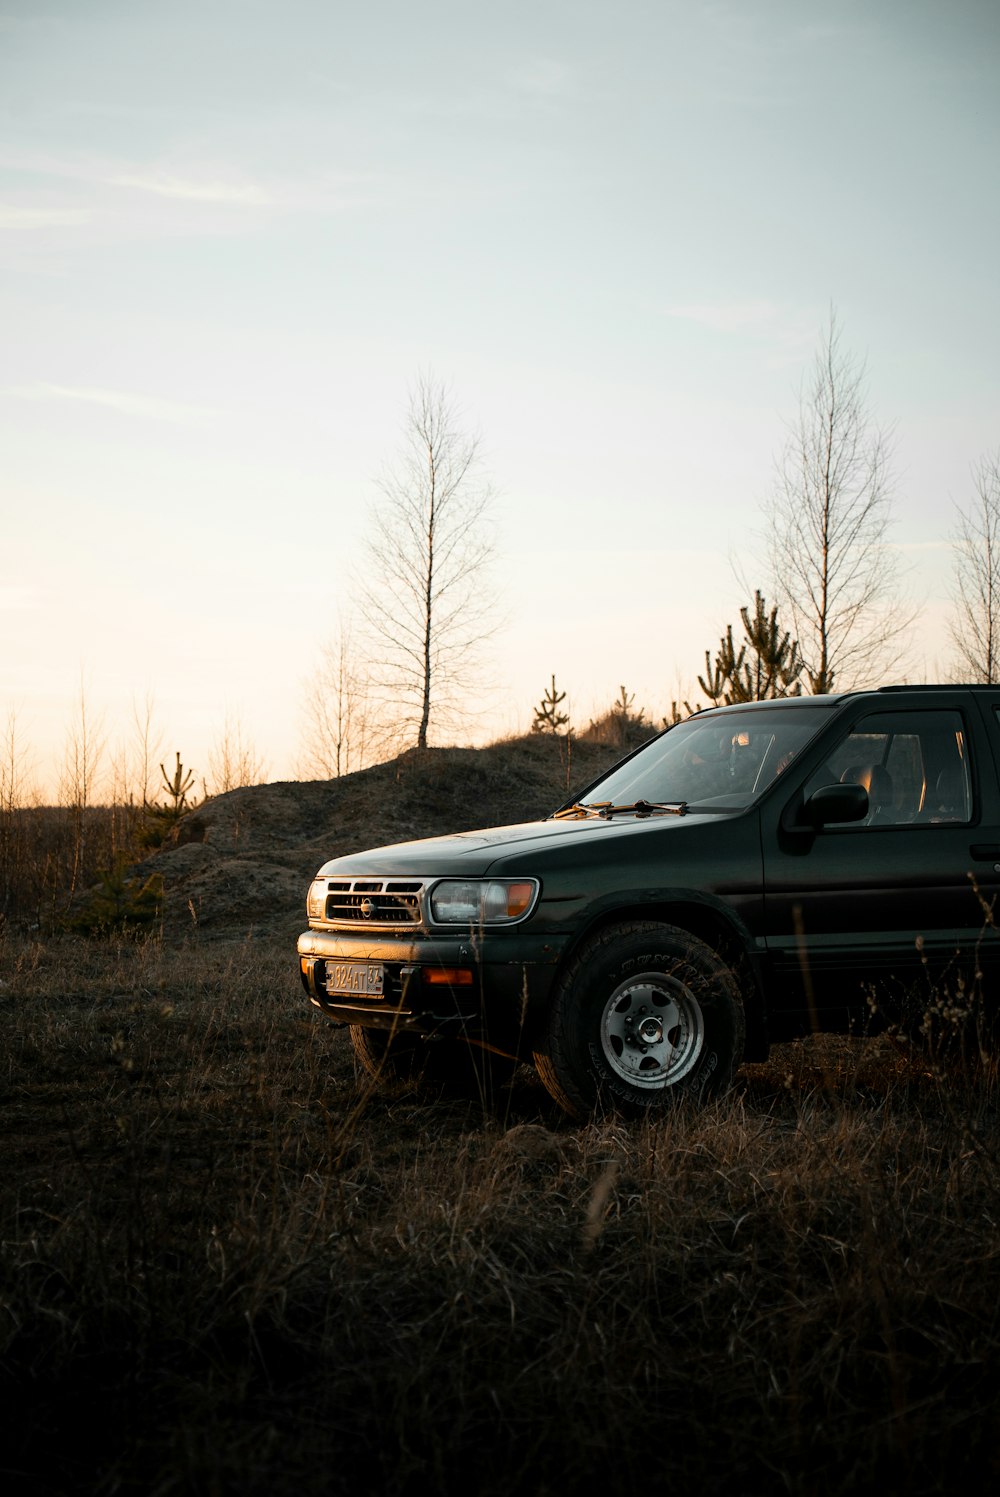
452,977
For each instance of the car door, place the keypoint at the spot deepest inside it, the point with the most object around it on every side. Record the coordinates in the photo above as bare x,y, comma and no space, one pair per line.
902,896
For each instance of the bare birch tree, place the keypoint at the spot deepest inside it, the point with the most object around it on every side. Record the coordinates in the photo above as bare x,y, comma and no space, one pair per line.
337,731
425,599
146,748
975,628
84,751
16,794
829,519
233,760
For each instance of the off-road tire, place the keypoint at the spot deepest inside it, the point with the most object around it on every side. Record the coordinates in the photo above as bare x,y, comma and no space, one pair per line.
449,1065
386,1057
643,1015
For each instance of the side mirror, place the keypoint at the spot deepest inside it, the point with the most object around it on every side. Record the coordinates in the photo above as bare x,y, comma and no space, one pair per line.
834,804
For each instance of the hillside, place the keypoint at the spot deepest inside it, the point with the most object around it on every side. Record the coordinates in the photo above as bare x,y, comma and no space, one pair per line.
242,860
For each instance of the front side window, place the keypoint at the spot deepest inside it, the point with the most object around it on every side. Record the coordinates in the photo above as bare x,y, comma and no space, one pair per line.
914,765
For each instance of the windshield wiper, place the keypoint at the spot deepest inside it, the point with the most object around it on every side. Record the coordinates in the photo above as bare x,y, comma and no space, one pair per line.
606,808
644,807
583,808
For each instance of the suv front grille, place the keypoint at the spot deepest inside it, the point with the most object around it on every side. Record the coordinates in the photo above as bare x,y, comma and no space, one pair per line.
373,901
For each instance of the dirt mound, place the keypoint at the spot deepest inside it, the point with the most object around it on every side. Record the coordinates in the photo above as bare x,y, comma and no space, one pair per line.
242,861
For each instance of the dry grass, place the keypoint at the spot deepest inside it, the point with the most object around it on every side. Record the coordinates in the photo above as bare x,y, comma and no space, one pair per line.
241,861
229,1266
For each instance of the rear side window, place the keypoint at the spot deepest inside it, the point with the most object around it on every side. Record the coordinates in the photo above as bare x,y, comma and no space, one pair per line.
914,765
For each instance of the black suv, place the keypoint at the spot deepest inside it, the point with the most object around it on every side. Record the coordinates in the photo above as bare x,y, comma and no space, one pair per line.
753,873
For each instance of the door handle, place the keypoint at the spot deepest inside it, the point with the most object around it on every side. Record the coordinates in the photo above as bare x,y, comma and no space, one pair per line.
987,852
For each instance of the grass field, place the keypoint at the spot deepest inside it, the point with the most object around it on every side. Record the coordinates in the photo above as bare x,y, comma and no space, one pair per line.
229,1266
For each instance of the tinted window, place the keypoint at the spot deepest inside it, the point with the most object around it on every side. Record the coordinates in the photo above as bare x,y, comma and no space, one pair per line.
914,765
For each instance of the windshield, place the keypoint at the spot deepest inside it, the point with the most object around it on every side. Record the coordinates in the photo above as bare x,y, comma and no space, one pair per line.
721,761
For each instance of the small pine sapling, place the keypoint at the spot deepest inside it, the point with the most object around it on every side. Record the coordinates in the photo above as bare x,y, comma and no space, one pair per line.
548,718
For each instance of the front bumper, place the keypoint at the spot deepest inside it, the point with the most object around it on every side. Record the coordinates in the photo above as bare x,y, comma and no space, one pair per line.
499,1003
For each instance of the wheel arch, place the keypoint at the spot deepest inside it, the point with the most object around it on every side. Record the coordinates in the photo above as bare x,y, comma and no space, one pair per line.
718,928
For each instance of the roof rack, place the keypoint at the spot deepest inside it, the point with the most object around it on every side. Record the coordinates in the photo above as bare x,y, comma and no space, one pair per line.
941,686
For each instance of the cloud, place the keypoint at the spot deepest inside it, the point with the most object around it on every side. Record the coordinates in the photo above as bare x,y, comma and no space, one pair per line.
788,334
118,400
161,180
41,218
727,317
197,185
240,195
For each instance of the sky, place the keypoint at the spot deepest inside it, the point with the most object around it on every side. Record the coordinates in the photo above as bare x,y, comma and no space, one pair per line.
234,232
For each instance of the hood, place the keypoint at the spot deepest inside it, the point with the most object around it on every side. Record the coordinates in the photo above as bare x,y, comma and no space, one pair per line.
526,846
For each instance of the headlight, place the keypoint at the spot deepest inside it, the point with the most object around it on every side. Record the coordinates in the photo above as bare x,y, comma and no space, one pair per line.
494,901
316,899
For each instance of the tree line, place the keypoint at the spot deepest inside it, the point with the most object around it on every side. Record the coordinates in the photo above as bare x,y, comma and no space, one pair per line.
68,858
830,615
406,655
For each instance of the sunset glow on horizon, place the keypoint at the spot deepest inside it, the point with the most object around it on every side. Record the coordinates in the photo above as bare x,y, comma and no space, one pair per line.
232,236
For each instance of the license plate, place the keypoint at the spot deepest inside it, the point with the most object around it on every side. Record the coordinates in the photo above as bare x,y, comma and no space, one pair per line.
356,979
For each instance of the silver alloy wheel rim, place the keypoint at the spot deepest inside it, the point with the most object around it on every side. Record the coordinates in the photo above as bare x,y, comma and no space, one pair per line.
652,1031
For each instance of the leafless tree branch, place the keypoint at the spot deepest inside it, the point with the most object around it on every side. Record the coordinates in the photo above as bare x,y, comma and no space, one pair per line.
975,628
425,599
829,520
339,732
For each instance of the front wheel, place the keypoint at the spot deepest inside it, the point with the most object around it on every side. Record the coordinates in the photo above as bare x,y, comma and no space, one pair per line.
644,1014
385,1056
450,1065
